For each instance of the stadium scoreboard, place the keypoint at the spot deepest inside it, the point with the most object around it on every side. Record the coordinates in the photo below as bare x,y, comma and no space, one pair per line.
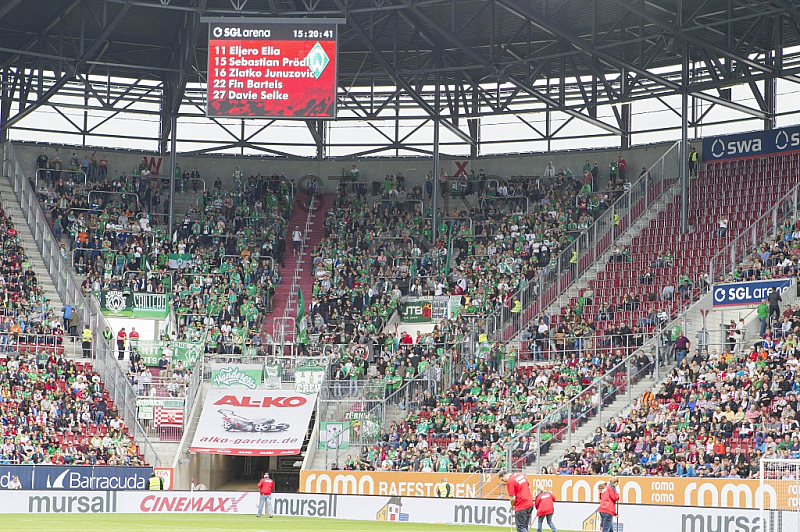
274,68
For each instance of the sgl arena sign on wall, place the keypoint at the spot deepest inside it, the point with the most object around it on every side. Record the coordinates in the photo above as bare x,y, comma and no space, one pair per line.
752,144
749,294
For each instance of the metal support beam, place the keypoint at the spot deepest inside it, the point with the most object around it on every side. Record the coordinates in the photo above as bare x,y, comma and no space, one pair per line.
173,164
400,81
468,50
73,69
435,177
9,5
685,141
526,13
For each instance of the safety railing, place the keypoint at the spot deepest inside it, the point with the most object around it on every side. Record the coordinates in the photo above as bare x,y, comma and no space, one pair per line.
579,255
731,256
42,344
292,299
509,202
86,309
44,171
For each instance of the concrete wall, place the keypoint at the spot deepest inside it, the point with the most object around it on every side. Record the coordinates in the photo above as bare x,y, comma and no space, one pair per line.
414,169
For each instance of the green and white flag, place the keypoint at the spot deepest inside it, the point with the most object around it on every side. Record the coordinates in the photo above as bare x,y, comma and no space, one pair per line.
273,376
177,261
302,333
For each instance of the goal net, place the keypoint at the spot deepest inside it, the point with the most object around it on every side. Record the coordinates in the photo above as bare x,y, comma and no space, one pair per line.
777,495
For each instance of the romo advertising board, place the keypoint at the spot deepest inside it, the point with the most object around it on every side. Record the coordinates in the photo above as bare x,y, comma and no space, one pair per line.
727,493
253,422
494,513
749,294
76,477
752,144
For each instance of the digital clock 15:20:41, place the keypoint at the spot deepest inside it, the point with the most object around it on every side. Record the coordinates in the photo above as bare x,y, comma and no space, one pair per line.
313,34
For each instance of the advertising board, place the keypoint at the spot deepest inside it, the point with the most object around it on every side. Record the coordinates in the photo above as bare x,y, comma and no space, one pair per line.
747,294
253,422
482,512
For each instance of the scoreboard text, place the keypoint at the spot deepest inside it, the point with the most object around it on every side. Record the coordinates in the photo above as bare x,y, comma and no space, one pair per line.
283,69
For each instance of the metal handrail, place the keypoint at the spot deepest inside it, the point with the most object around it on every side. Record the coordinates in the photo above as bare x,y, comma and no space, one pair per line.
484,199
89,195
768,223
298,267
36,179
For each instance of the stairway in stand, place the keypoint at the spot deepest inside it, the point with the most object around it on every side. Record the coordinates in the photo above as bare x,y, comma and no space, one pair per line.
283,292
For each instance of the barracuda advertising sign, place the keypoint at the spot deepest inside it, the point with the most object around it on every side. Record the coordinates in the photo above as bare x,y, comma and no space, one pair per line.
52,477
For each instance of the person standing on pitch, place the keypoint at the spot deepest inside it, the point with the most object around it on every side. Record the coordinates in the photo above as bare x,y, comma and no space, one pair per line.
608,505
544,508
520,498
265,487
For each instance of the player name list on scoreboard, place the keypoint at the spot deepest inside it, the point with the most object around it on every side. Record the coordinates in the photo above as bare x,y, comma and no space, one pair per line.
279,70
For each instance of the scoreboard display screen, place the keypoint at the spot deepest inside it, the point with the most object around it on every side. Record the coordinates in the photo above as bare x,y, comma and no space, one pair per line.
279,68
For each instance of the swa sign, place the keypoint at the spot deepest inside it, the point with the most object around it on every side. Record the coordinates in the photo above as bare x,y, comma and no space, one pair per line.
753,144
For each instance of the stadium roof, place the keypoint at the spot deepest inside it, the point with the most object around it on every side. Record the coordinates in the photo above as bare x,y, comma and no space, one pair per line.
488,57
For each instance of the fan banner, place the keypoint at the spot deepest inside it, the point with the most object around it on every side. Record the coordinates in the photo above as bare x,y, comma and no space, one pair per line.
167,417
253,422
234,375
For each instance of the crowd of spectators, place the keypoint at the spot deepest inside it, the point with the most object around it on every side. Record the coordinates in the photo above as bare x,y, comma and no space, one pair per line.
466,427
717,415
227,248
56,411
28,320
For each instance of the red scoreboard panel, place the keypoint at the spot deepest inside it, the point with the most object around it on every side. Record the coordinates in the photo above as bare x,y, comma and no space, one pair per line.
279,68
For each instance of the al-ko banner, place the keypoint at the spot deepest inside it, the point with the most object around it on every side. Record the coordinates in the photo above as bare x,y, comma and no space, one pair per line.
151,350
241,376
430,510
52,477
748,294
253,422
137,304
752,144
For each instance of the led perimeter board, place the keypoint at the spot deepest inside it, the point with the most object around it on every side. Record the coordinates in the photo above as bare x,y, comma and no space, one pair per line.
274,68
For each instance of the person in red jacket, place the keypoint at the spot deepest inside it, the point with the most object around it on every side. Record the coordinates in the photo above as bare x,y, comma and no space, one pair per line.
265,487
608,505
544,508
520,497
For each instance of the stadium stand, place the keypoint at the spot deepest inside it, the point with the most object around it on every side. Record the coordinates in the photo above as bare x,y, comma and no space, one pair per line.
119,241
29,322
717,413
53,410
645,283
58,412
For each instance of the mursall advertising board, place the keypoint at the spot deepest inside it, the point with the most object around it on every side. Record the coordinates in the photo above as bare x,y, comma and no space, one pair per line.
485,512
724,493
253,422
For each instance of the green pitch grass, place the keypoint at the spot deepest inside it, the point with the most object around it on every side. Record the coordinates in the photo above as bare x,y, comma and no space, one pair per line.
211,522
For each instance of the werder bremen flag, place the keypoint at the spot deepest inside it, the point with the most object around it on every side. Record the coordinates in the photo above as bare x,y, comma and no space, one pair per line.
179,260
302,334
